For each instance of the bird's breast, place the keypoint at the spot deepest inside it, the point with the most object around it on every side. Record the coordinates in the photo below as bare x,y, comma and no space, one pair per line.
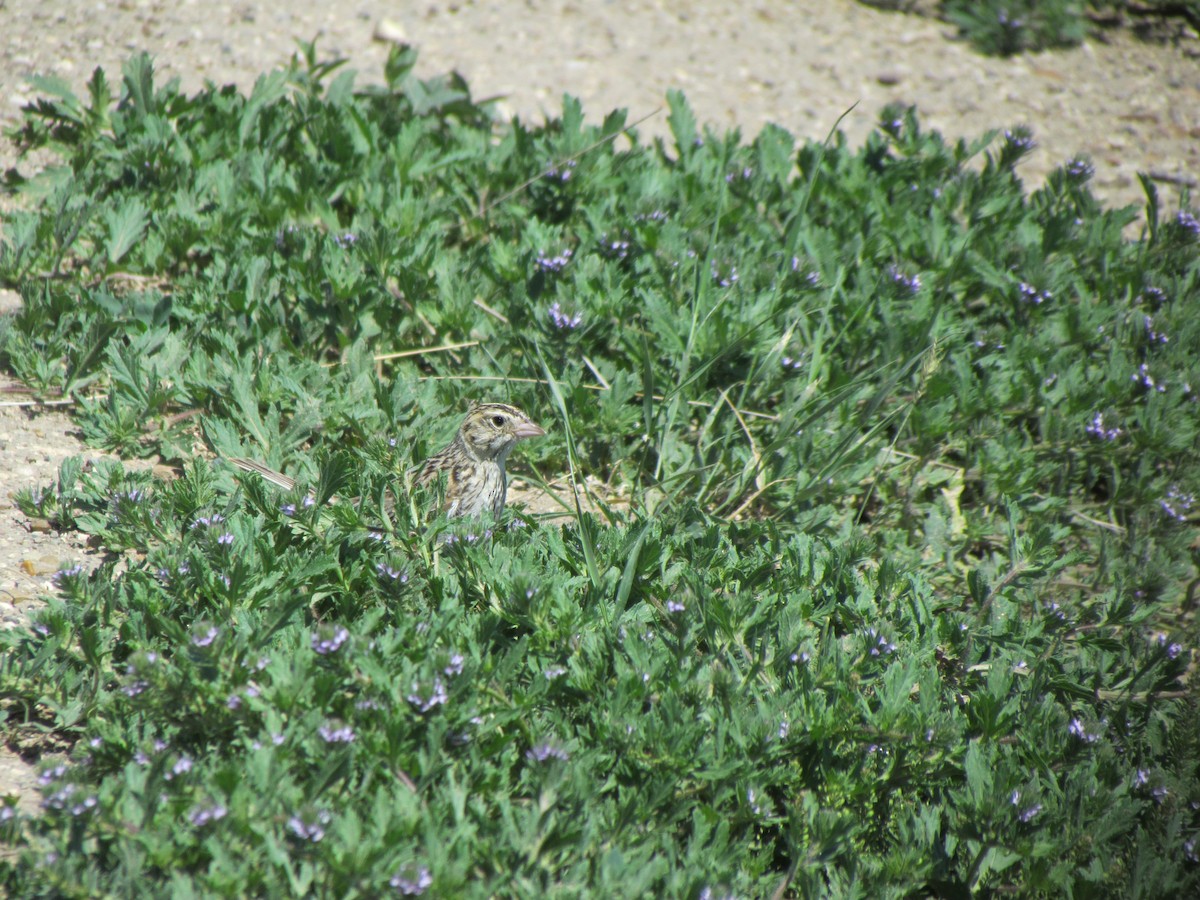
476,488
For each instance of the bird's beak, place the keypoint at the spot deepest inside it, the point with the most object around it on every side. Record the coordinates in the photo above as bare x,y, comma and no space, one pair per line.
528,430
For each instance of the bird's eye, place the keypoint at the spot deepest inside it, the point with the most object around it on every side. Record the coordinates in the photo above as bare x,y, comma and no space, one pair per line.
497,421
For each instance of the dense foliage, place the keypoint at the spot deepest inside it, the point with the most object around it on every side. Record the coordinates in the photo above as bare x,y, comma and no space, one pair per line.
1007,27
890,594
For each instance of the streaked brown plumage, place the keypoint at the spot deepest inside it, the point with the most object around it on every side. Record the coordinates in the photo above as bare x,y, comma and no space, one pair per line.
473,462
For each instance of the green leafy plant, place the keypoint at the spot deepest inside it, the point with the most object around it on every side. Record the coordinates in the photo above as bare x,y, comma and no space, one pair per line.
1008,27
879,578
1005,27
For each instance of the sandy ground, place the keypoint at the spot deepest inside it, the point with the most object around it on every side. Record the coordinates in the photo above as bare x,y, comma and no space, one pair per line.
1131,105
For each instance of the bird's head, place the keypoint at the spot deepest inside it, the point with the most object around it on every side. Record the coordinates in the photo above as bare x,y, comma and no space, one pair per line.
491,430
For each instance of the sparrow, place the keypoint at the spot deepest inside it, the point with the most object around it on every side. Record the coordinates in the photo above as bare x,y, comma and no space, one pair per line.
473,462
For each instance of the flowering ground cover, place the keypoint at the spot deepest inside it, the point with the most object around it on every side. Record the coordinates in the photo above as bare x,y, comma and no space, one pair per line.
894,592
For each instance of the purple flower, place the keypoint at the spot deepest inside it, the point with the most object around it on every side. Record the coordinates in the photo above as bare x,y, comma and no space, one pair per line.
309,826
1080,168
388,572
878,645
225,539
1173,649
60,798
784,729
1020,139
181,766
561,320
554,264
910,284
52,774
674,606
1154,337
562,174
454,667
553,672
412,880
424,703
724,277
1077,729
1097,430
63,799
1176,504
329,639
1142,378
200,816
135,687
614,248
546,750
204,633
1156,297
1030,294
334,732
1029,813
62,576
233,702
752,801
1188,223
